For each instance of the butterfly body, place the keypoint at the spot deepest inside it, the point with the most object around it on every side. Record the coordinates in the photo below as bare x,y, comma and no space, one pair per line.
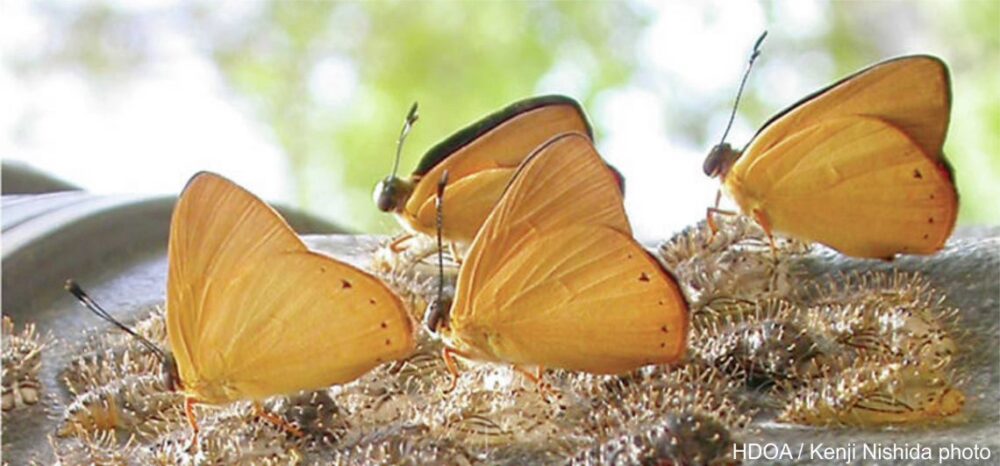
856,166
555,279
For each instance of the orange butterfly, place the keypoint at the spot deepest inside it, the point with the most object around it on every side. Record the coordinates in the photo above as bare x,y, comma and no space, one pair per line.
555,279
856,166
253,313
481,159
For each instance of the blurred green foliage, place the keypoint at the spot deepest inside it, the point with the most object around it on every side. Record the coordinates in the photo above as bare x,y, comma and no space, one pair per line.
333,80
458,60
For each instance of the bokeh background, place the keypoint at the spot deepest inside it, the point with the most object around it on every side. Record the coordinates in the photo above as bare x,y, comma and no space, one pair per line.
301,101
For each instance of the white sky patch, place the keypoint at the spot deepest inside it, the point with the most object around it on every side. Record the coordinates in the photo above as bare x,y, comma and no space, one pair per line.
570,75
802,18
703,46
147,136
334,82
665,188
21,31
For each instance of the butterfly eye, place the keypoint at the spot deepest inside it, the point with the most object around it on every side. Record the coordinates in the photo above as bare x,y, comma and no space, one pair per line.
384,195
391,193
720,160
437,314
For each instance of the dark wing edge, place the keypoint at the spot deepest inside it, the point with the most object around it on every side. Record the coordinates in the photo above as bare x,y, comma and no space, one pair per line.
685,301
463,137
806,99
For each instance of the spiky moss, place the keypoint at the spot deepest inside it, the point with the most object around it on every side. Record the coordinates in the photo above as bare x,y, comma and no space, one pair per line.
752,322
874,391
412,271
898,360
116,383
735,264
764,342
687,415
22,359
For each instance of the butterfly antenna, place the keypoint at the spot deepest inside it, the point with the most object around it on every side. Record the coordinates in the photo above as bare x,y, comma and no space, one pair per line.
439,204
92,305
739,93
411,118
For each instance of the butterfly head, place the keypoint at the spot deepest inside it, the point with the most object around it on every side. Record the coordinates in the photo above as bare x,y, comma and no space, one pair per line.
392,192
723,156
438,315
720,160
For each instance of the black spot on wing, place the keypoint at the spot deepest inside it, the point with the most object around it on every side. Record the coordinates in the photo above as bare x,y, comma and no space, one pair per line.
345,284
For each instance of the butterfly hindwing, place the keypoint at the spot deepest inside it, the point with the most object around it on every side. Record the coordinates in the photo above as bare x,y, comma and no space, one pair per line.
859,184
583,298
303,321
467,202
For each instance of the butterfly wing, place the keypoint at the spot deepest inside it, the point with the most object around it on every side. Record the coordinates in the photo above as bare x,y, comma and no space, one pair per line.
573,187
858,184
499,142
912,93
555,279
582,298
252,313
467,203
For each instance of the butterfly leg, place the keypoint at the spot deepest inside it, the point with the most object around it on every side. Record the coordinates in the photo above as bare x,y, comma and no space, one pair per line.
449,361
766,225
278,421
192,421
711,212
708,214
453,250
396,244
715,210
537,378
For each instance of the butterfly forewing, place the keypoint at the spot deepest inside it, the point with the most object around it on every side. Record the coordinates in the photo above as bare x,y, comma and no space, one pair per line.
493,147
912,93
